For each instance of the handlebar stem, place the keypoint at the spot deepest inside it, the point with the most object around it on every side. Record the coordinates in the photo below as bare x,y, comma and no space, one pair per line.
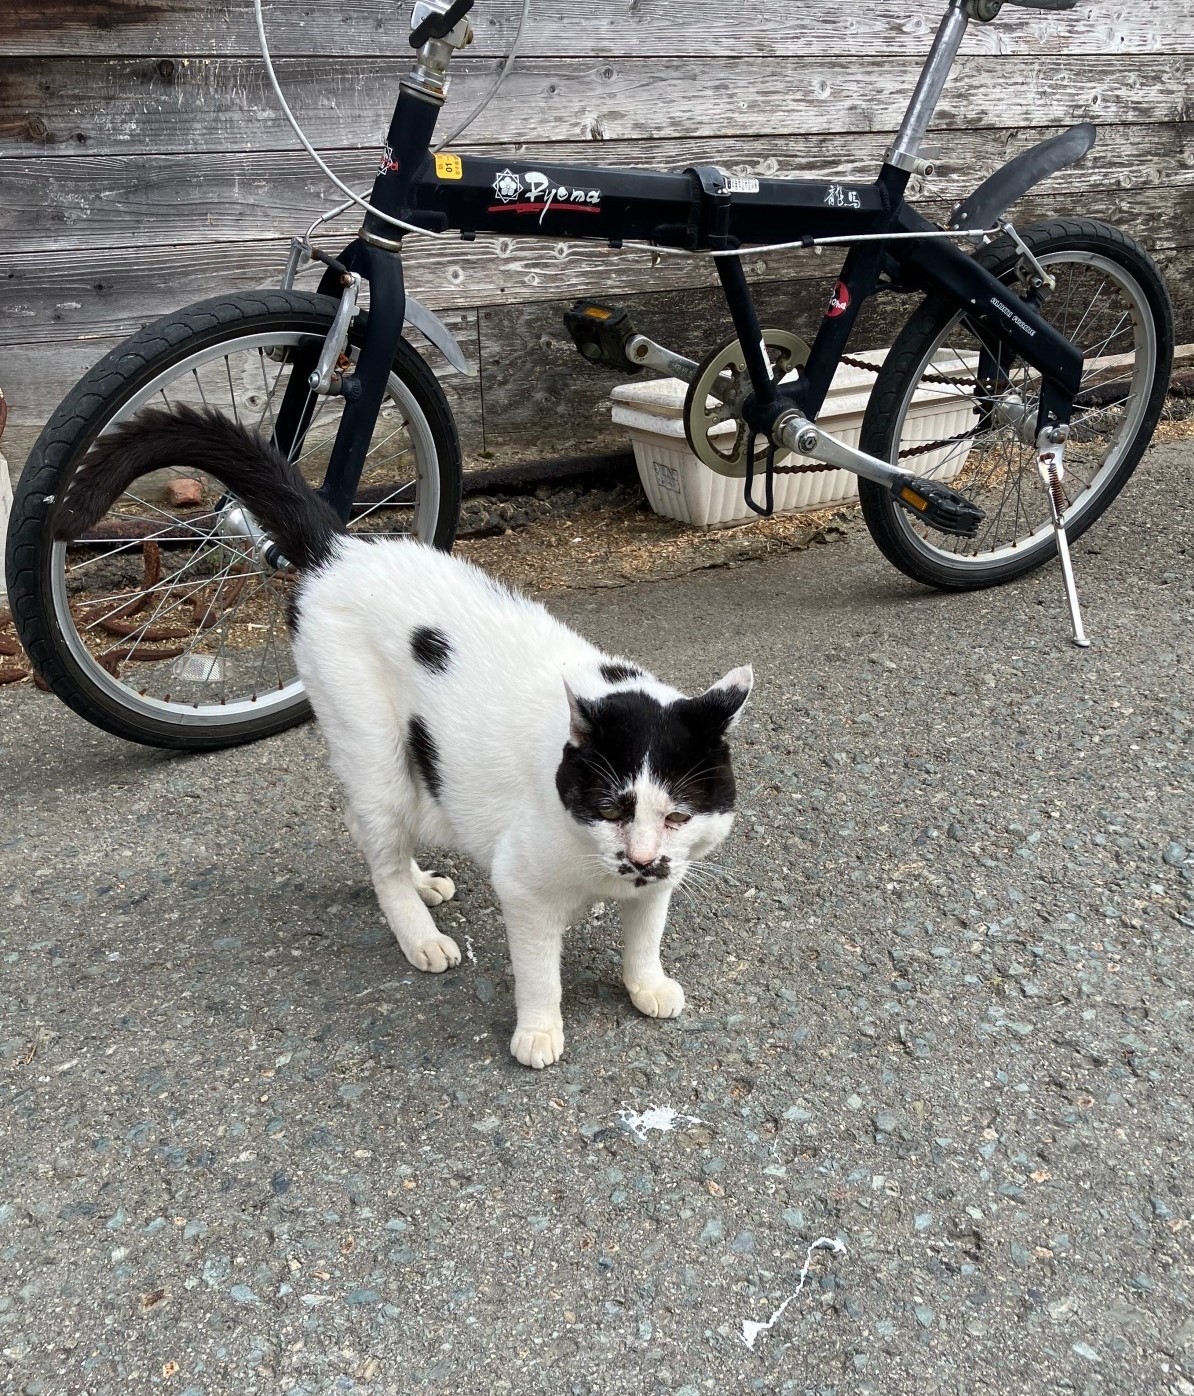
428,79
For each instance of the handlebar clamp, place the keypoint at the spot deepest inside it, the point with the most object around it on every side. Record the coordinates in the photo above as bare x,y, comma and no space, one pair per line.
433,19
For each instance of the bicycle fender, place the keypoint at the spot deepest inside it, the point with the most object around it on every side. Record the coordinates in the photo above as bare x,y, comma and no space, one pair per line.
996,194
433,328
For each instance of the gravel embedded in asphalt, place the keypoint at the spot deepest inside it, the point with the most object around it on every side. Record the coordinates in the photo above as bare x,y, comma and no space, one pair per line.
938,1008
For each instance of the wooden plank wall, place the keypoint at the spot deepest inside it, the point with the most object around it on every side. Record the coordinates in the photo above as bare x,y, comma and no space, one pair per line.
144,164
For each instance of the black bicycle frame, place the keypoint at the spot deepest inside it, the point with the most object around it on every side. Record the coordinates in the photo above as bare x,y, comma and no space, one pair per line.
700,209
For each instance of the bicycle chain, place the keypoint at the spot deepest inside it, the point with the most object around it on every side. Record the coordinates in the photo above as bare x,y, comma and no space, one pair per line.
926,448
928,377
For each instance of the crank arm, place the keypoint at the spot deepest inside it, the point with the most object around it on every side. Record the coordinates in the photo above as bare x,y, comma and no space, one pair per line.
645,353
798,434
942,508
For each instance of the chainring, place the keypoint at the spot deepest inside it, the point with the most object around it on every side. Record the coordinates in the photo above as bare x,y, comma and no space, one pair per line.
713,423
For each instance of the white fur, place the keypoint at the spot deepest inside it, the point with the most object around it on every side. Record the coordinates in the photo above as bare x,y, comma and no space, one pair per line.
500,717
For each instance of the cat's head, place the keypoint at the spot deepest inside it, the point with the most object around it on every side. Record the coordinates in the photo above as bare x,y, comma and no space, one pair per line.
650,778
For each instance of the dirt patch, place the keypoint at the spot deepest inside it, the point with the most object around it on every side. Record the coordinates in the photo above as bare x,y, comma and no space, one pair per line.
627,543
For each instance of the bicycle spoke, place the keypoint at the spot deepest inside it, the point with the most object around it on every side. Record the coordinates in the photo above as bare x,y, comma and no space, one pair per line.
231,391
161,611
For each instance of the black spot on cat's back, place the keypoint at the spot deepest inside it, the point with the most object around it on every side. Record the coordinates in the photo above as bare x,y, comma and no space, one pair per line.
431,648
619,673
425,754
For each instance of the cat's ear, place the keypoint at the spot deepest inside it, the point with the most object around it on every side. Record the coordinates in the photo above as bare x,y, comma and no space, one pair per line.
720,707
580,728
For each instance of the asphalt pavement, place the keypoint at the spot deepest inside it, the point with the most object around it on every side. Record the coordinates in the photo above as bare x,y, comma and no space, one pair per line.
938,1012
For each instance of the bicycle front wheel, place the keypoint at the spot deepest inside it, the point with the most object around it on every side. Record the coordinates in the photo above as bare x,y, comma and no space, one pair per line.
928,414
163,624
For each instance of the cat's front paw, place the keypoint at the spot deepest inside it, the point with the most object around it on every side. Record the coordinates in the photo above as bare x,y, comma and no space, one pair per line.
435,954
662,1000
537,1047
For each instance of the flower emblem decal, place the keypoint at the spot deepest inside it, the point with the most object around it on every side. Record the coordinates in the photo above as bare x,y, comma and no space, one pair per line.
507,186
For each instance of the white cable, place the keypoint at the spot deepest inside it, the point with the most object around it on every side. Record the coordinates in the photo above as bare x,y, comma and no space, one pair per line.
493,91
749,251
464,125
310,149
359,198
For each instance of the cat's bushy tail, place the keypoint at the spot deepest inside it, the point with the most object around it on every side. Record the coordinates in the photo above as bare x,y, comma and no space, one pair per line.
301,522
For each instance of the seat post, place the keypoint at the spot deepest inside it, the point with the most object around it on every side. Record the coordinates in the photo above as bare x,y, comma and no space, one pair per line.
905,150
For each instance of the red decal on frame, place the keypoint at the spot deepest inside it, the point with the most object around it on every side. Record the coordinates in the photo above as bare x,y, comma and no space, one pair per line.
839,302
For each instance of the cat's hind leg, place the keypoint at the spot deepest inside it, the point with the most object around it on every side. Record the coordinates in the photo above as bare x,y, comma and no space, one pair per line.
361,712
432,888
376,820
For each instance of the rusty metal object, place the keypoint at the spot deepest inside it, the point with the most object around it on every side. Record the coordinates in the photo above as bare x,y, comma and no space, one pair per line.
207,611
127,530
10,647
149,633
119,622
111,660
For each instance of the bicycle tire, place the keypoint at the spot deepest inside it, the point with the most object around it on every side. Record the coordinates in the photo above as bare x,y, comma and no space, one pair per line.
95,403
913,355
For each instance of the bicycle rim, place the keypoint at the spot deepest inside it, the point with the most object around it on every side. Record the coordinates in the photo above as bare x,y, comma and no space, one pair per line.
1101,307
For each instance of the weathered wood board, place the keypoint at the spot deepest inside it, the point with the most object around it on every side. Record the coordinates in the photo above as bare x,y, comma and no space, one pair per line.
106,200
578,28
181,104
144,163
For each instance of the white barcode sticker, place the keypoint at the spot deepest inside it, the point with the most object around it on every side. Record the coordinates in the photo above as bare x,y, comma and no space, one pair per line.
741,184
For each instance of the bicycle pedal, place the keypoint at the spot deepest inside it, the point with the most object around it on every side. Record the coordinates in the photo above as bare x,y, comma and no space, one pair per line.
601,333
941,508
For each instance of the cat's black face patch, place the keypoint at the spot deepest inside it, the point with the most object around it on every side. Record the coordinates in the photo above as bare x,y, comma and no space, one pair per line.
431,648
620,673
684,743
425,754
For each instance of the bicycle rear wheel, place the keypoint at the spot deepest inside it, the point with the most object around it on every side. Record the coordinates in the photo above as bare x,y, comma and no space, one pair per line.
925,412
164,625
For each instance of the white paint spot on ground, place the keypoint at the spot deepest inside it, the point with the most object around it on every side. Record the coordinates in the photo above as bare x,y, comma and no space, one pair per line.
468,950
660,1117
750,1329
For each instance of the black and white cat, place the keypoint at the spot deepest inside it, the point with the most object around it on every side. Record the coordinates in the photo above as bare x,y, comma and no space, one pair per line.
460,714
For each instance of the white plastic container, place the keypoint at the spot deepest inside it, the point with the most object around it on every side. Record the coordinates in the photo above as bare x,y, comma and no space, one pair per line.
679,486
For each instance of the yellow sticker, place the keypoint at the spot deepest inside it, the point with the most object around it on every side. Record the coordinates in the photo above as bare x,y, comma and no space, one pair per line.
449,167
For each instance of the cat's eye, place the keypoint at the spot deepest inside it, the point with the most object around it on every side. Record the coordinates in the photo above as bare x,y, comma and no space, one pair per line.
610,812
678,817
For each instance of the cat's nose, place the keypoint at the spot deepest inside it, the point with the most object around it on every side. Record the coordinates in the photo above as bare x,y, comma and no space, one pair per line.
641,867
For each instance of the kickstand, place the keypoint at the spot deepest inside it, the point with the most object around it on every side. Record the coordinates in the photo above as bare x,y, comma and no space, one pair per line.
1049,462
